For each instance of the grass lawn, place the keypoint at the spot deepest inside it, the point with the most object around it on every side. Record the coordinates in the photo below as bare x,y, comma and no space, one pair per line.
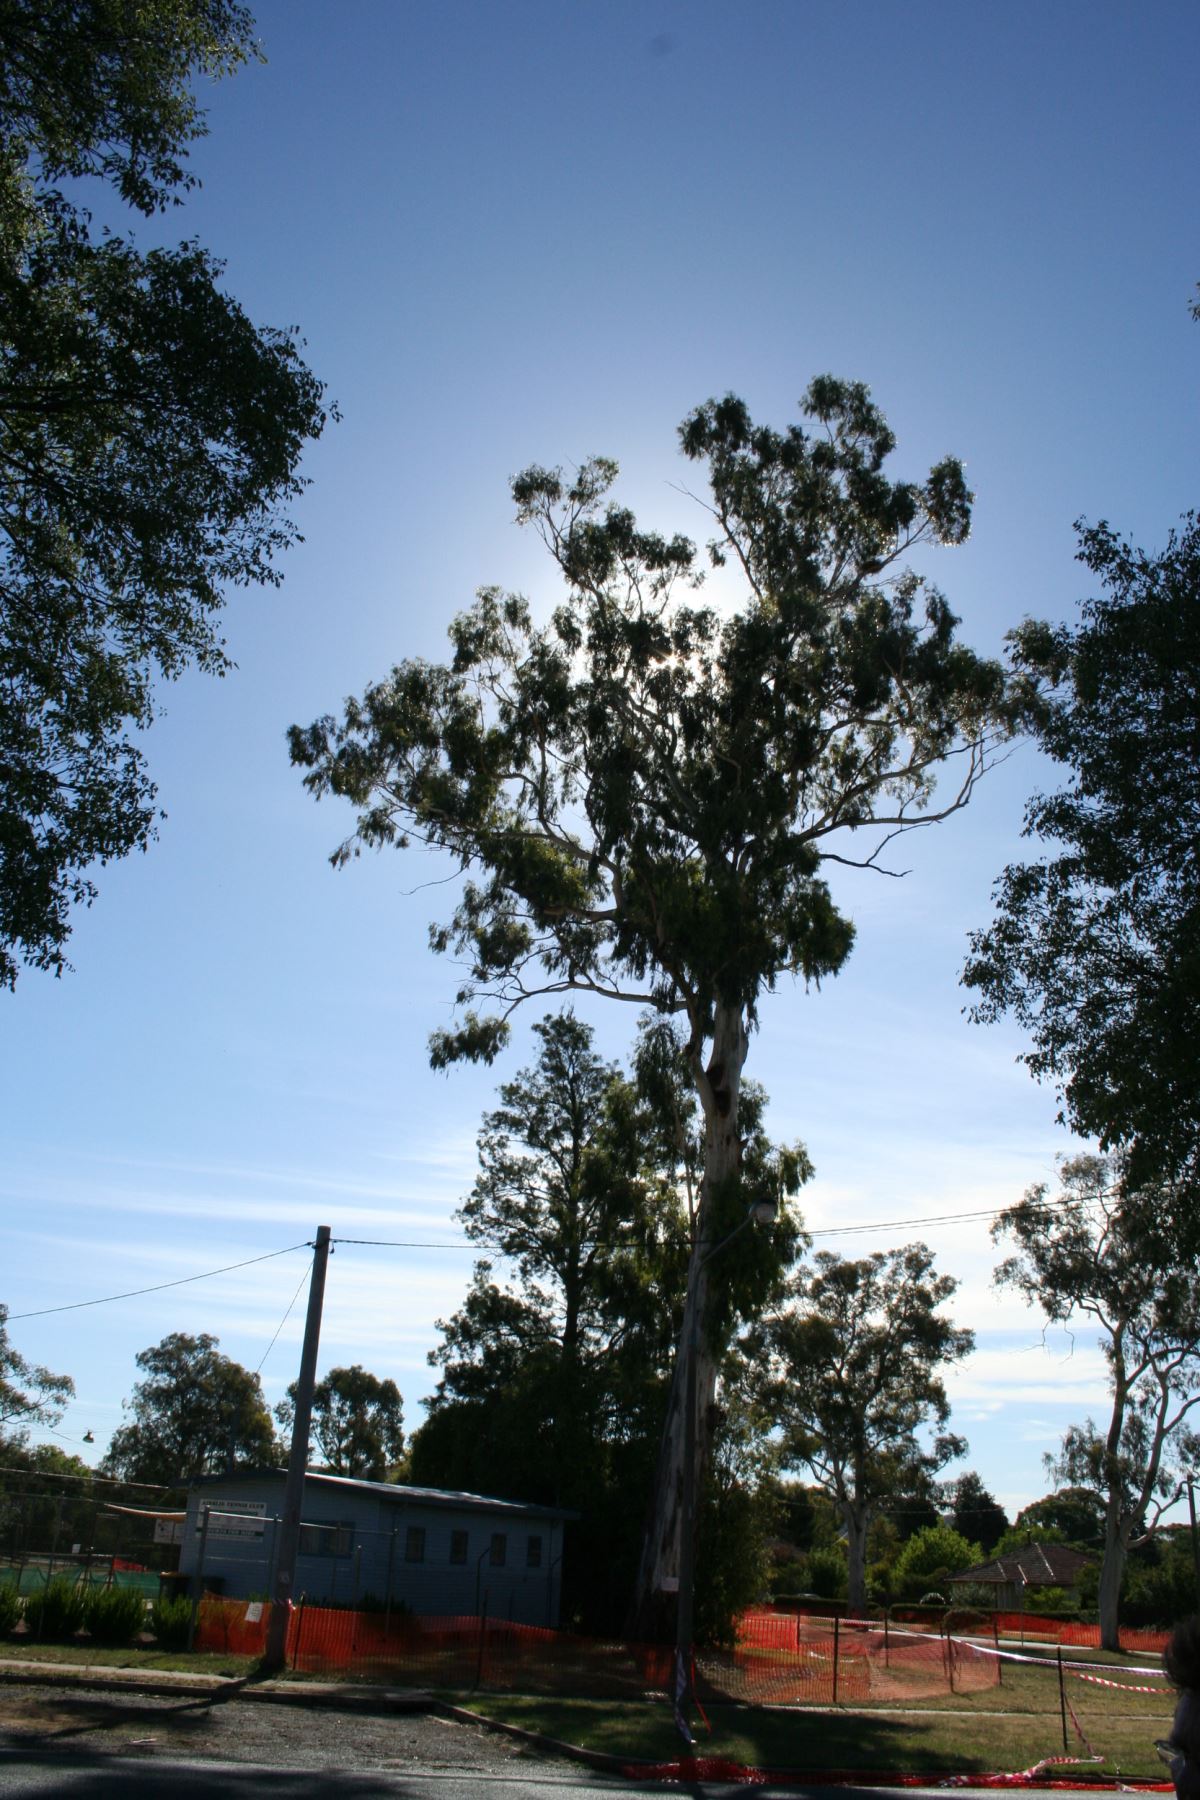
876,1739
130,1656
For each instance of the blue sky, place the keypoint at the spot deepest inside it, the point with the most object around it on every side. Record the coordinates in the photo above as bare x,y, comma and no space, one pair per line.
537,232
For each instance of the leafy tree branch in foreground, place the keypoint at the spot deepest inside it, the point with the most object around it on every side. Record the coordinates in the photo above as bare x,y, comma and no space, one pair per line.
150,437
642,791
29,1394
1095,946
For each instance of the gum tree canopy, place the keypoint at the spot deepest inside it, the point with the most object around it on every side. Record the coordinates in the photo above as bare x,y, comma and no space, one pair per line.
641,790
149,435
1095,946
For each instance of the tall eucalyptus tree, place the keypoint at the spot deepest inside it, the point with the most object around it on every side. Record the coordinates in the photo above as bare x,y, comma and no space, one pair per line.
641,791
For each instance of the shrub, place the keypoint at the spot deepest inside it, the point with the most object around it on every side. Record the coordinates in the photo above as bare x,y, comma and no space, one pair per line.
10,1609
827,1573
113,1615
929,1557
56,1611
1048,1600
170,1617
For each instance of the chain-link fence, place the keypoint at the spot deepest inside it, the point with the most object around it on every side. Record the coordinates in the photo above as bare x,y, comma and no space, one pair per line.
47,1537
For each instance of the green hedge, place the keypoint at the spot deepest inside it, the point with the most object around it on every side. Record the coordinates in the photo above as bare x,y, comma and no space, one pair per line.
170,1618
57,1611
114,1615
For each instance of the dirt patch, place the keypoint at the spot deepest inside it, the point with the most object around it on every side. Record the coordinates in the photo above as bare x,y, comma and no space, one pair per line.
234,1729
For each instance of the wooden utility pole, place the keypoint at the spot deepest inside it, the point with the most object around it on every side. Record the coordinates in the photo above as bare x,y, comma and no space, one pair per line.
293,1493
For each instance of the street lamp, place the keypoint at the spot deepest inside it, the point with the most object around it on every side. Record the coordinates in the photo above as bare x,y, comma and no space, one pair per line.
759,1212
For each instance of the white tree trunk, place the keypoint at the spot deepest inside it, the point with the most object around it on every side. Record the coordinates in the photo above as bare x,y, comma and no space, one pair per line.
1111,1570
857,1521
655,1598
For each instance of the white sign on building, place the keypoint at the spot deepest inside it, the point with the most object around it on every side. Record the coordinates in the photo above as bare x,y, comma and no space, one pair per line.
233,1519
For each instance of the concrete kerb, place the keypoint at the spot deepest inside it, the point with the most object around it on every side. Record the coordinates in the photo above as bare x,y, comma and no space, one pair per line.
537,1740
347,1697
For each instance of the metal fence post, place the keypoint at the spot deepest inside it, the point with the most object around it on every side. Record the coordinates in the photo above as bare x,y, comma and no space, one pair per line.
58,1513
836,1647
1062,1701
551,1618
273,1553
299,1629
482,1641
387,1597
198,1576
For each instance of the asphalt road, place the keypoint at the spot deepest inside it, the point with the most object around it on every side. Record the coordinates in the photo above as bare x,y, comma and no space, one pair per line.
87,1777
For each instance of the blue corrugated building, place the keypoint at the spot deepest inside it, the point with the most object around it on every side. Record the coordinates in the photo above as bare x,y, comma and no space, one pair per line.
433,1550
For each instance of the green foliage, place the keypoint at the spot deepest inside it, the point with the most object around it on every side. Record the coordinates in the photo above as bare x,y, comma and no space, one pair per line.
44,1489
1160,1581
197,1412
740,1511
1107,1251
642,791
930,1557
644,785
357,1422
170,1620
853,1378
1067,1516
554,1389
827,1572
976,1513
56,1610
150,435
29,1394
1094,949
114,1615
1049,1600
10,1609
1020,1535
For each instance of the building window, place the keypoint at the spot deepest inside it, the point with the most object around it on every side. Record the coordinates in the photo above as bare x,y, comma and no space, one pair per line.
533,1553
324,1537
458,1546
499,1549
414,1544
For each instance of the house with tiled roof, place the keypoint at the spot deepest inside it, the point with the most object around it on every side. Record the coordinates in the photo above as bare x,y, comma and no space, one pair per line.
1034,1566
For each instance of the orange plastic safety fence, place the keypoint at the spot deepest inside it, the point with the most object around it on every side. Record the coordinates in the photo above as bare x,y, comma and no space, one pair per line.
1074,1631
778,1659
236,1627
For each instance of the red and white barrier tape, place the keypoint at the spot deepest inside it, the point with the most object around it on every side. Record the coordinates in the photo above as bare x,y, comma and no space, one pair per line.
1021,1775
1126,1687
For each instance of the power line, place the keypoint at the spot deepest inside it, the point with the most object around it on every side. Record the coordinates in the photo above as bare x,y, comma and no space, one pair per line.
960,1218
497,1249
282,1321
108,1299
157,1487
